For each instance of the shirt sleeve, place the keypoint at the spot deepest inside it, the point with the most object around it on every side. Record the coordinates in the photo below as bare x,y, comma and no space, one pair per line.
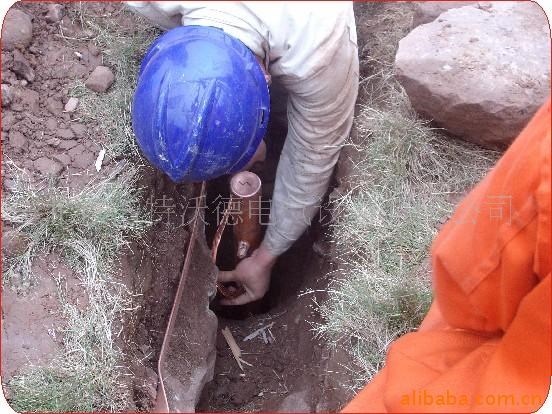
320,114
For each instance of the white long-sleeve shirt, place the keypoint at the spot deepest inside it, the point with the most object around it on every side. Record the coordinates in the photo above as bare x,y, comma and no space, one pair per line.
311,50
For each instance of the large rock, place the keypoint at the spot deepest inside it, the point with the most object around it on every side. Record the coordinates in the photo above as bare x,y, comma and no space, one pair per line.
17,30
480,73
427,11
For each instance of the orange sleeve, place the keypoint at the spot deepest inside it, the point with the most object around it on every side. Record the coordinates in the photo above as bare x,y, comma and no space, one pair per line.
485,344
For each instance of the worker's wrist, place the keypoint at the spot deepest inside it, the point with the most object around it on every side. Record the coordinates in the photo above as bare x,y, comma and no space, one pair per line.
264,256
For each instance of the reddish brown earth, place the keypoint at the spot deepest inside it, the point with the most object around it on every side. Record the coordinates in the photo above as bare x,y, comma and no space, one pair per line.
31,325
36,132
39,137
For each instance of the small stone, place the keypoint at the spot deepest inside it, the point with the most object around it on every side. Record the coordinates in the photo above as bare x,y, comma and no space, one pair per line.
79,129
17,30
18,140
63,158
51,124
54,105
14,243
54,13
47,166
22,67
65,133
6,95
71,104
100,79
54,142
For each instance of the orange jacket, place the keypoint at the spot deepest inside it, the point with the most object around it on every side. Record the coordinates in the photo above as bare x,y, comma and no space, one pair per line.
485,344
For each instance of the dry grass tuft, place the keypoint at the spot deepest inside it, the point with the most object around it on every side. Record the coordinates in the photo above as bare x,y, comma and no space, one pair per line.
405,179
84,378
106,214
90,228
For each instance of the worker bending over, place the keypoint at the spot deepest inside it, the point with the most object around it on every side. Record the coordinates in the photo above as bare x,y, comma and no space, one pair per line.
202,104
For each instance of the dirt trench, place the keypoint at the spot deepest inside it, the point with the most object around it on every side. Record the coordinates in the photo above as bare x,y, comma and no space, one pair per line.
290,371
294,371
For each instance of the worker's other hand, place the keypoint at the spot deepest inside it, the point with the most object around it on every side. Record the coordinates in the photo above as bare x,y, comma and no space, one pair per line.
253,273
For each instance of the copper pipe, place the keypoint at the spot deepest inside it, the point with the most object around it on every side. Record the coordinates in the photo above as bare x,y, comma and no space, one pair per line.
246,192
162,400
244,210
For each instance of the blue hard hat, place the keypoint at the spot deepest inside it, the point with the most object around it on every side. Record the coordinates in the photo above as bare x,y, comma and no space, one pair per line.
201,104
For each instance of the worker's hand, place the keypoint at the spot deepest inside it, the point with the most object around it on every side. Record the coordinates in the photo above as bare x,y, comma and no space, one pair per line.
253,273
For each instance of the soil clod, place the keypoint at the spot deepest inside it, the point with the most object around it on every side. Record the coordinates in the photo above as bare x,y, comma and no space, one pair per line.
48,167
22,67
100,79
54,13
